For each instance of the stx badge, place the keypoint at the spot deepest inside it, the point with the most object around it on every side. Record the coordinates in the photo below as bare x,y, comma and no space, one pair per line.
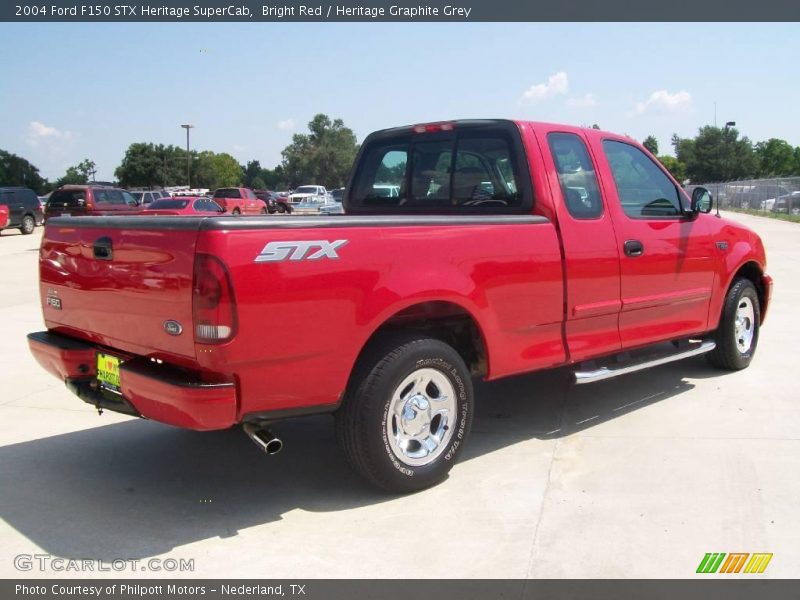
302,250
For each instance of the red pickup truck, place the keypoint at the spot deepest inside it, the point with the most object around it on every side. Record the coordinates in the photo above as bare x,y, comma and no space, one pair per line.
510,247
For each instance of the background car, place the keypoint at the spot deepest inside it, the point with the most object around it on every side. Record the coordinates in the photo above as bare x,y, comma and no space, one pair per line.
274,201
788,203
309,206
308,193
186,205
90,199
757,196
24,210
146,197
334,205
240,201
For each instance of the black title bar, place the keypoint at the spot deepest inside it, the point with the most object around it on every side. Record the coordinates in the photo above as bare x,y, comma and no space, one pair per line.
398,11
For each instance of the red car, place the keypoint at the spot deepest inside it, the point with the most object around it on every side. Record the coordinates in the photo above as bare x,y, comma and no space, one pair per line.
240,201
182,205
3,216
509,247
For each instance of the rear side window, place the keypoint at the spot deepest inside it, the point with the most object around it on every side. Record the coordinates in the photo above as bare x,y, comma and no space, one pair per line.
67,199
470,170
644,190
108,197
227,193
577,176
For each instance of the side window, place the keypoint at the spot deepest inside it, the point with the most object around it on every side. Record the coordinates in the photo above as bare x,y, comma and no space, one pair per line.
127,199
101,197
576,175
388,165
643,189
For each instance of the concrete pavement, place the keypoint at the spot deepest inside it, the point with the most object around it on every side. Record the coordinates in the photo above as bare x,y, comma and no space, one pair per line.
634,477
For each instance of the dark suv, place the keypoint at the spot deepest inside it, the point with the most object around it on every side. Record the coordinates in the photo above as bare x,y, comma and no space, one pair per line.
24,210
90,199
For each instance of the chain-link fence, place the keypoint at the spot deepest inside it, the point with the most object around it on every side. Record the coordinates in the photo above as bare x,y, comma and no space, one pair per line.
779,194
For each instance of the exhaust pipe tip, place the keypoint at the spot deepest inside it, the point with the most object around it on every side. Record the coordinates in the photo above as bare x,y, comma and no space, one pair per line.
274,446
264,438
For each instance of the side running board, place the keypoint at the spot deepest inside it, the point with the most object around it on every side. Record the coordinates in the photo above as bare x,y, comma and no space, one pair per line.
623,368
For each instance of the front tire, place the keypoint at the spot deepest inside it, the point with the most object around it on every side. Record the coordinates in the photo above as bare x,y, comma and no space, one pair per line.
737,334
28,225
407,413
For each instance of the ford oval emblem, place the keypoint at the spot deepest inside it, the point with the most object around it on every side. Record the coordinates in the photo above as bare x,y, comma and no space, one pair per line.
173,327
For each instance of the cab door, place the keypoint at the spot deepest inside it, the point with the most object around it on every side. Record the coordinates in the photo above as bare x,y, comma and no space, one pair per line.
666,256
591,260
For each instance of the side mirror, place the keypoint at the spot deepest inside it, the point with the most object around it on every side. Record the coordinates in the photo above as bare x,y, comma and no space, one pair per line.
701,200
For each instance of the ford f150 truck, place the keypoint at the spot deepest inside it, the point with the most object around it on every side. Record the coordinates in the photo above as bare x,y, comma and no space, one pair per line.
510,247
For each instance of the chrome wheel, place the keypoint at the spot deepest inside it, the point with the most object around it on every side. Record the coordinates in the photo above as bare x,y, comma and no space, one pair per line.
744,325
420,417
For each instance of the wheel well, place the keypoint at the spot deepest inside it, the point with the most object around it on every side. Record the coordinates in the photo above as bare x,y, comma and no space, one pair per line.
753,272
444,321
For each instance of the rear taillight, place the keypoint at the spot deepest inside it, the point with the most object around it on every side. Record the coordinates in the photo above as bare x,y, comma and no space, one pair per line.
213,303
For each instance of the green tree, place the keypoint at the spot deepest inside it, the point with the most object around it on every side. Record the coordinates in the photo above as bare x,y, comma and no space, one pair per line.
227,171
77,174
775,157
147,165
324,156
651,143
716,154
15,170
258,184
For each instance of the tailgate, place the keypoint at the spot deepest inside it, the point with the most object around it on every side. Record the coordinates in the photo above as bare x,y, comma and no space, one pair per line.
118,280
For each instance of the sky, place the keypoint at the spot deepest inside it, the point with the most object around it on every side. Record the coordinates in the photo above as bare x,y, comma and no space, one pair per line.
88,90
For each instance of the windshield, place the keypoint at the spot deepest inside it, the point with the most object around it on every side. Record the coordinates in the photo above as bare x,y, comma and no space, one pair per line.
337,195
137,195
306,190
173,204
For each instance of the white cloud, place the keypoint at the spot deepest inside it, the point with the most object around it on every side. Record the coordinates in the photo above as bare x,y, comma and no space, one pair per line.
39,132
556,84
585,101
663,101
285,125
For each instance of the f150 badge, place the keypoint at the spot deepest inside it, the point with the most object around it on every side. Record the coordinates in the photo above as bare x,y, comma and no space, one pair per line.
301,250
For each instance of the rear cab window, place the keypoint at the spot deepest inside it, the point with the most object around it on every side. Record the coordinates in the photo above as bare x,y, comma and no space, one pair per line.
227,193
459,168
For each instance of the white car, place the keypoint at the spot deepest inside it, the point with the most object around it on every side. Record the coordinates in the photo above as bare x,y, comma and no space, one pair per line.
308,194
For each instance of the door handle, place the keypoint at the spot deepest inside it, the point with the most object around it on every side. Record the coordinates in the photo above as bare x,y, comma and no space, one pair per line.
634,248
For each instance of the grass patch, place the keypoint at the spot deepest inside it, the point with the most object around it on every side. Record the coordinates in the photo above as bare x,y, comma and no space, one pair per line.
765,213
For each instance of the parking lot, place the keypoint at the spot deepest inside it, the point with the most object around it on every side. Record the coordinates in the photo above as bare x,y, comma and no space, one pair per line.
634,477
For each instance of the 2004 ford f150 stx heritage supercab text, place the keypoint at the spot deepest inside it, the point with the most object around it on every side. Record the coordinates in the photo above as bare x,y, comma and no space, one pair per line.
510,247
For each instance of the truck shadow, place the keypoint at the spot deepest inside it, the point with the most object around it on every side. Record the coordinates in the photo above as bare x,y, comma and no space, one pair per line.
137,489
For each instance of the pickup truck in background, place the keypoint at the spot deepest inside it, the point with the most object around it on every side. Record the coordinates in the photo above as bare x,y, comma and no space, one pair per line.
240,201
509,247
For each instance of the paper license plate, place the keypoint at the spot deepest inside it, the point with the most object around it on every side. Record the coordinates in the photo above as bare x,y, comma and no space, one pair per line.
108,369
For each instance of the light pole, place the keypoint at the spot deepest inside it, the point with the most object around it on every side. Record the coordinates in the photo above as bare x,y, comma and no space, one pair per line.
188,157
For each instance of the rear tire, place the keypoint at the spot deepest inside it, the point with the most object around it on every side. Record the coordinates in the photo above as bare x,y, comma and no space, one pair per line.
737,334
28,225
407,413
